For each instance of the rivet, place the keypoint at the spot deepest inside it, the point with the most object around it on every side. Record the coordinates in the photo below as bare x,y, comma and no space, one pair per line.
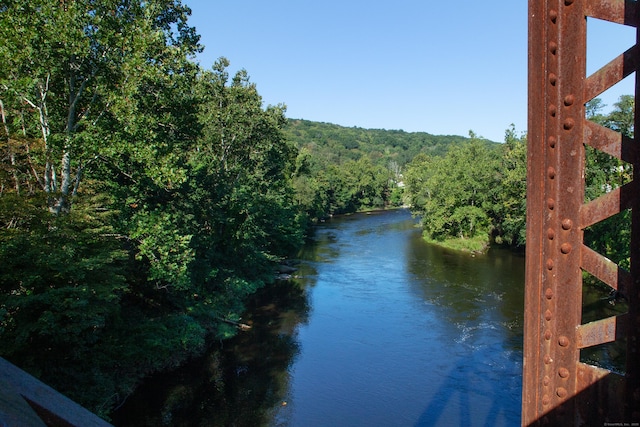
553,110
551,204
553,79
553,47
563,372
547,315
546,380
547,335
549,264
545,400
565,248
551,234
563,341
567,224
547,359
561,392
569,100
568,2
551,172
552,141
548,293
553,14
568,124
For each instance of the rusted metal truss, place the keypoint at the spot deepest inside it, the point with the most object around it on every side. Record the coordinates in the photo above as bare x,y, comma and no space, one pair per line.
557,388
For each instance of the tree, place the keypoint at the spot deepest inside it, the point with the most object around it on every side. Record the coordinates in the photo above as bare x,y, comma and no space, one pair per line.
604,173
621,118
454,194
63,69
509,211
96,106
416,177
238,196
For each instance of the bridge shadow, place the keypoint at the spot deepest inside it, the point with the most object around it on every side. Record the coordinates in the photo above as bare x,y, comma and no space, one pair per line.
466,399
454,404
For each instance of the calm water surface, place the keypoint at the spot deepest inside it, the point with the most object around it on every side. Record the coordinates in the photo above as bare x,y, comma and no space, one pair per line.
379,329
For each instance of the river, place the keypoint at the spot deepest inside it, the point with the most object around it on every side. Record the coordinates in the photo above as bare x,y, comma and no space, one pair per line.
378,328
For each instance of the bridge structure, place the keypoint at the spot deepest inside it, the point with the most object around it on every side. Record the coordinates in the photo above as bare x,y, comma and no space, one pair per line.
559,389
27,402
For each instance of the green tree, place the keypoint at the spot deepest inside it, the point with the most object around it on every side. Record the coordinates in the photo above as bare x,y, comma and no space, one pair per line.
416,177
453,194
62,70
621,118
239,195
96,104
509,211
605,173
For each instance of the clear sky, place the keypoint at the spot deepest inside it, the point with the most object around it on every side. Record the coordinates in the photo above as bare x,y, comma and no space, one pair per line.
418,65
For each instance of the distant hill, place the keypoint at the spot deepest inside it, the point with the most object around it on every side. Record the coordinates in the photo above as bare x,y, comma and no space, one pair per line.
338,143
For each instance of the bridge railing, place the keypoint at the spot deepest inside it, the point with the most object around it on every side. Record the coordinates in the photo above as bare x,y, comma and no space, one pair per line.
27,402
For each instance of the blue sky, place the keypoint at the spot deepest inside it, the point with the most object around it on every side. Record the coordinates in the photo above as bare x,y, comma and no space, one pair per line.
432,66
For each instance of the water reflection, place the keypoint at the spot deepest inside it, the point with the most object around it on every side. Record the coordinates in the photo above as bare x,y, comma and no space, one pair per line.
598,302
237,384
398,333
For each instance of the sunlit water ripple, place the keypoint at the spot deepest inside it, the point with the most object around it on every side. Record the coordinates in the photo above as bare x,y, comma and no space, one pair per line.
402,333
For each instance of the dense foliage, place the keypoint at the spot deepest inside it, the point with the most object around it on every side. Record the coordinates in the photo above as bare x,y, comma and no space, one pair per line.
141,198
475,193
611,237
342,170
337,143
472,193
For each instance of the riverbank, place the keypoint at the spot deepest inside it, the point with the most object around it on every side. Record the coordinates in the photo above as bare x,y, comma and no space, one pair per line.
475,245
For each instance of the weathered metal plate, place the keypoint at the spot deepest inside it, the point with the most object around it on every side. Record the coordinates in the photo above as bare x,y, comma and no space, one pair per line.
557,388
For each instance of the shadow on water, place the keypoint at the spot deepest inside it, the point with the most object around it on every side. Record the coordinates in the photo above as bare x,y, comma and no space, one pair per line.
238,382
434,336
462,389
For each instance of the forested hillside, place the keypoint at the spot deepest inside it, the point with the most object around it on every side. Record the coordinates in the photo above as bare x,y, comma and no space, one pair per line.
341,169
338,143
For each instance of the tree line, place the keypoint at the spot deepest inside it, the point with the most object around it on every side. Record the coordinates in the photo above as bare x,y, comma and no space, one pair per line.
341,170
144,198
474,195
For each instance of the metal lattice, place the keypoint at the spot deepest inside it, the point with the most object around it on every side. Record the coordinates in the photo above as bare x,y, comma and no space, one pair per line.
557,388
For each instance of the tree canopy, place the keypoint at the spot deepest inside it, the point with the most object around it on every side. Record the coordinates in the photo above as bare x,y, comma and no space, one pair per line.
141,197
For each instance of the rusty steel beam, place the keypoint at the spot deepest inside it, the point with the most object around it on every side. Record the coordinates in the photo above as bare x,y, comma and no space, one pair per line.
557,388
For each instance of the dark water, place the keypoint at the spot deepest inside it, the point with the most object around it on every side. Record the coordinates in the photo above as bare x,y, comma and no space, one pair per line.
380,329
